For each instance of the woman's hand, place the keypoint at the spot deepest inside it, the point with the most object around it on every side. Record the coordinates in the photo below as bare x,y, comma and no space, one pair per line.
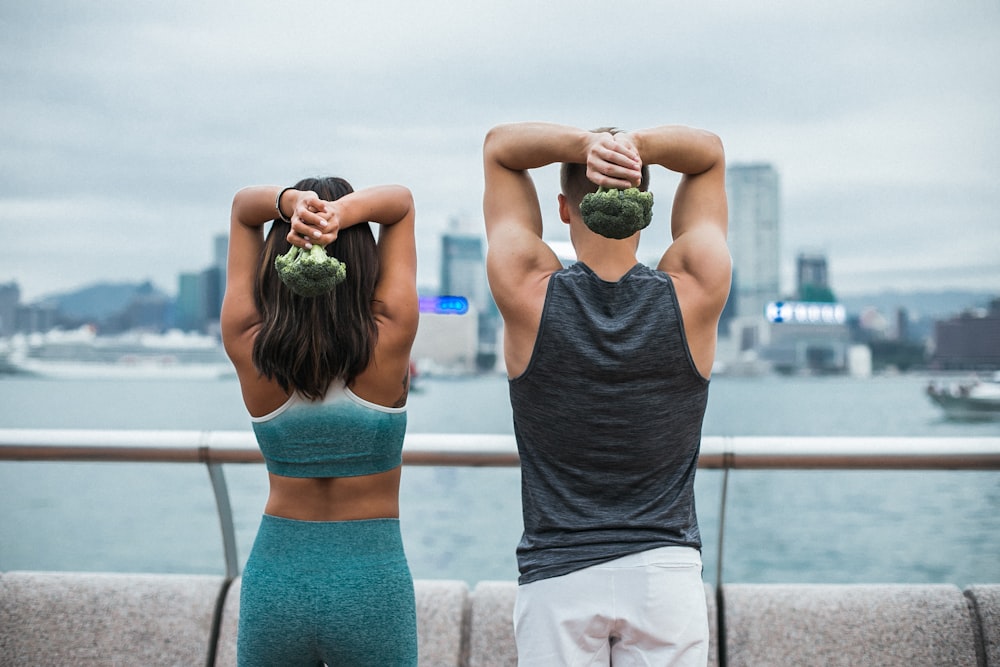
314,220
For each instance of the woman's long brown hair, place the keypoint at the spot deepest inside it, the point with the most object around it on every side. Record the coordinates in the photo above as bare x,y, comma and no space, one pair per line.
305,343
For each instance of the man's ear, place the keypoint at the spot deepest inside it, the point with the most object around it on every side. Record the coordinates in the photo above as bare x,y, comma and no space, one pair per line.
564,208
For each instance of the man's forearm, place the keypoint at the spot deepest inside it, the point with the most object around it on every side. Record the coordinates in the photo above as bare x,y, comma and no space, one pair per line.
682,149
523,146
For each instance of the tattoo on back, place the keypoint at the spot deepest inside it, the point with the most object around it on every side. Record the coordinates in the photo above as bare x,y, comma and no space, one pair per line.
401,401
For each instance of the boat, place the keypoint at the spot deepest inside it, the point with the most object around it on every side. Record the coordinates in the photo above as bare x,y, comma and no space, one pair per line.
82,354
969,400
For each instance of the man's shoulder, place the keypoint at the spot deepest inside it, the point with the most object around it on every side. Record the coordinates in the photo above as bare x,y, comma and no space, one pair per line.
518,261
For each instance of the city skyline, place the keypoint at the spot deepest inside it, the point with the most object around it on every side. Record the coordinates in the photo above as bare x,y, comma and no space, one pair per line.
754,191
128,127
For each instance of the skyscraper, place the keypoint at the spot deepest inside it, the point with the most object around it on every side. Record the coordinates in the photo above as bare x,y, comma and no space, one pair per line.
463,273
754,240
463,270
812,278
10,299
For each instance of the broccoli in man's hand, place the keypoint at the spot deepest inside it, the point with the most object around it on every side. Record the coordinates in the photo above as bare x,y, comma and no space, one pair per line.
310,272
617,214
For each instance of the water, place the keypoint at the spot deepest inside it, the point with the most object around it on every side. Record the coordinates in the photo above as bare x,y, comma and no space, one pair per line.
463,523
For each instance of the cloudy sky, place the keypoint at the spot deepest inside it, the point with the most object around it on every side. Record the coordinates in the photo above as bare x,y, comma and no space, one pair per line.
126,126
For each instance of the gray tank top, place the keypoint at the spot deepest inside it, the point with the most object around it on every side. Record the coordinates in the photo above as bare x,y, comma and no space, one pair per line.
607,418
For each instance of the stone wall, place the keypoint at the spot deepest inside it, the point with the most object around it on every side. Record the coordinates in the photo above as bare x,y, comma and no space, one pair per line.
111,619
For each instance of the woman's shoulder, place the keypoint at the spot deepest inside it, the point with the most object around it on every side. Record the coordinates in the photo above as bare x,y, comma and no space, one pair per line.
386,379
397,317
385,384
260,395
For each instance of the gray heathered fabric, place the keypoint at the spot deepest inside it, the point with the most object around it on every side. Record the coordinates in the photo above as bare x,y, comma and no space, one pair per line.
607,418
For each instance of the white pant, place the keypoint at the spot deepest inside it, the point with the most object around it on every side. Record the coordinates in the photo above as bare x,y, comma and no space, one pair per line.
643,609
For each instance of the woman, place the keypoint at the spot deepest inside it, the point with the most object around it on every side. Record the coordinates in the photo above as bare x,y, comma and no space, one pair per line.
325,380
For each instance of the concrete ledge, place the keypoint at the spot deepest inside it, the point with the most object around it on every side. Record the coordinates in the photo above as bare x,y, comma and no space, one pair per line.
106,619
442,622
442,611
885,625
491,625
713,626
985,601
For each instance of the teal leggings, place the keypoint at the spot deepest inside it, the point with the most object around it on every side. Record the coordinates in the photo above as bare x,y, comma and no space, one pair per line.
334,592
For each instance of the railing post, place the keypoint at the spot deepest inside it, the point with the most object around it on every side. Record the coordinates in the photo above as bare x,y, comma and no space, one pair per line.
720,607
225,511
722,524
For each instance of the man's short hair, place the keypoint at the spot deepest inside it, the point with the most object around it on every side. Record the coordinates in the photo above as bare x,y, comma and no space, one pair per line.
573,179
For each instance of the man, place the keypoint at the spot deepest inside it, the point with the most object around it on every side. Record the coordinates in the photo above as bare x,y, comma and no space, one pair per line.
608,363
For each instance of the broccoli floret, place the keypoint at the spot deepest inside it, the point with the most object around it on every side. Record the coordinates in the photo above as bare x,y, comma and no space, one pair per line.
617,214
310,272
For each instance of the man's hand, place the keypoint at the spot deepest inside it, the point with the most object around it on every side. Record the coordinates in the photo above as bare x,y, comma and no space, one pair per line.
613,162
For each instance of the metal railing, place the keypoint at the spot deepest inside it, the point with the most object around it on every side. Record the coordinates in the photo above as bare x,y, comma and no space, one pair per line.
217,448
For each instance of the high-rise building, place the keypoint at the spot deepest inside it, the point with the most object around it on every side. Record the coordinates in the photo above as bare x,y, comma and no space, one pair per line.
220,253
199,295
463,273
969,342
754,236
220,250
463,268
10,300
812,278
189,302
213,287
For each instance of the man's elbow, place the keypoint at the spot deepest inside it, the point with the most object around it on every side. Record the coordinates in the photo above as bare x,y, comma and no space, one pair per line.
493,142
715,149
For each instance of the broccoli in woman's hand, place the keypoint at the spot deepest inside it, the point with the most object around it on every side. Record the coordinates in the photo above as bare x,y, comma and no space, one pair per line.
310,272
617,214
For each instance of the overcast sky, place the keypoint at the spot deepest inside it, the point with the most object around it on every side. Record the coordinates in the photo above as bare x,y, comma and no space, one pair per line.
126,127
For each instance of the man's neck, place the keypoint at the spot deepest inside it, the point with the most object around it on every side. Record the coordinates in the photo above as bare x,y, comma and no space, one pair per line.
609,260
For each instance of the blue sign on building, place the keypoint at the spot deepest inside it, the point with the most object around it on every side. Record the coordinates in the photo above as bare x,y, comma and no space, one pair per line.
444,305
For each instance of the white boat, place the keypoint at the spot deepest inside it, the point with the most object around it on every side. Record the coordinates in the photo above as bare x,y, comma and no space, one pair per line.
976,399
165,369
82,354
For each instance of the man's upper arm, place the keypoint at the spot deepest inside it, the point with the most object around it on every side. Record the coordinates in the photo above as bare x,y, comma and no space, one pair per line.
699,226
509,197
701,197
517,254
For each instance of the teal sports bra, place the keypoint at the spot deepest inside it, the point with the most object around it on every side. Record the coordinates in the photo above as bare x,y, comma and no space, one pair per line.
341,435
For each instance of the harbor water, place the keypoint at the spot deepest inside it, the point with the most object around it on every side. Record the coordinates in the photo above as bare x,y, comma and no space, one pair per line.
464,523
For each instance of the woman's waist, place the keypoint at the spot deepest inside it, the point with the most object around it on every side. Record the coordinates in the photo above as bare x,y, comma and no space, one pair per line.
334,498
303,548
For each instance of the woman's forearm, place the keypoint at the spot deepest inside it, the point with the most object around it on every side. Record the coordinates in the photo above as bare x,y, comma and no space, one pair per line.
381,204
256,205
